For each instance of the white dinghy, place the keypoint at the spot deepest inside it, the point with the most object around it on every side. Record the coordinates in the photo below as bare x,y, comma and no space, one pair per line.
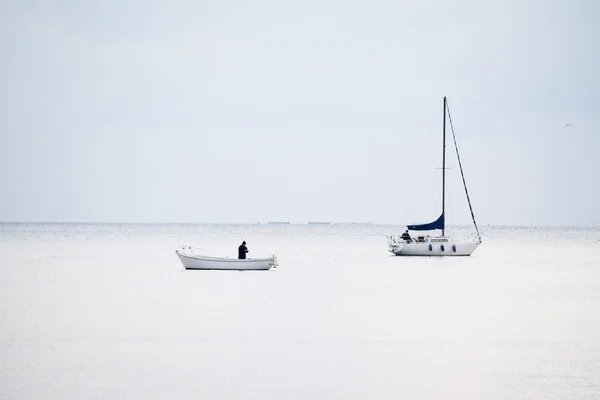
404,245
192,259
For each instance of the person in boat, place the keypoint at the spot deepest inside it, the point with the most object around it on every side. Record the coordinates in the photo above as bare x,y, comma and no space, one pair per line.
242,250
406,237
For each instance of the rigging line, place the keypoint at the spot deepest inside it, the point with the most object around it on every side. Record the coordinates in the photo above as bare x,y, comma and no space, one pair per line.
461,172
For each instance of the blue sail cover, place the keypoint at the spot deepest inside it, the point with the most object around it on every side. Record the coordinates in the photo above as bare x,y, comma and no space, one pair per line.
437,224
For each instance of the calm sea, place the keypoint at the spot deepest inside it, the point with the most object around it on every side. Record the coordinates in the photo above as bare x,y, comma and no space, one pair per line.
95,311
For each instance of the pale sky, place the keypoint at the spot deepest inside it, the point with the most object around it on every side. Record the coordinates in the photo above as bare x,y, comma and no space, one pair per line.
255,111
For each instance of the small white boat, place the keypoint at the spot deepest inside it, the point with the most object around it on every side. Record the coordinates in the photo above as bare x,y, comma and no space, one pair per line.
438,245
191,259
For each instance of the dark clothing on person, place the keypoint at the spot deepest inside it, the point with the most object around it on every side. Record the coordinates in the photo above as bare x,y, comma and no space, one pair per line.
406,236
242,250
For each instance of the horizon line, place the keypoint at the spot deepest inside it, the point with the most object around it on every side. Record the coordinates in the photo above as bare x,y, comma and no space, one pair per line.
281,223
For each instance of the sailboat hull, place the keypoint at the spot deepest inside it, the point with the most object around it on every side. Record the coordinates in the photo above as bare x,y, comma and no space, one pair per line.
450,248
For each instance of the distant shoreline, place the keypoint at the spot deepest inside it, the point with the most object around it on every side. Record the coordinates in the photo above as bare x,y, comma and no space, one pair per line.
286,223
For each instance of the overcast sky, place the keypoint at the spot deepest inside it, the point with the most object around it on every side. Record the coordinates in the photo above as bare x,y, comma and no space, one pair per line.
255,111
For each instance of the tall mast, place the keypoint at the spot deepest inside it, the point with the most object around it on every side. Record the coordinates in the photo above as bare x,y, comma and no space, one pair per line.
444,168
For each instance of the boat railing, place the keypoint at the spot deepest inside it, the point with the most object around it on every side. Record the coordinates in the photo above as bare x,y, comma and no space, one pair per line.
393,239
189,249
473,238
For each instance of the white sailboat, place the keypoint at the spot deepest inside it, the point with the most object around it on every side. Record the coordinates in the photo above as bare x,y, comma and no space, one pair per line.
426,245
